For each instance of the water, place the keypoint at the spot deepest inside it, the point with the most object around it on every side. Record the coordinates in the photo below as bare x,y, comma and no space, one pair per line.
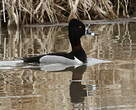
98,86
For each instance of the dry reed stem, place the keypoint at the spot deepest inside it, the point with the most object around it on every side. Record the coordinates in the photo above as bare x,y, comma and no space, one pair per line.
3,9
73,7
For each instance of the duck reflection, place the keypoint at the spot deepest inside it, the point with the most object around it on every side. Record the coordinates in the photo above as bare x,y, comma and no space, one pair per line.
77,90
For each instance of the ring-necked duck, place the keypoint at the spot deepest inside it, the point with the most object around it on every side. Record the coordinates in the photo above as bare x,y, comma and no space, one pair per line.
77,56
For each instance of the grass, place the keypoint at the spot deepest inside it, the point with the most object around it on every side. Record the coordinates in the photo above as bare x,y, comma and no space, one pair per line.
54,11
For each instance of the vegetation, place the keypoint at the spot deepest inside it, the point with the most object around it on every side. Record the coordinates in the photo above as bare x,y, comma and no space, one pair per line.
45,11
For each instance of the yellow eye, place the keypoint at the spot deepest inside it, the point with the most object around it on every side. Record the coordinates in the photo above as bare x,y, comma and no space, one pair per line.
79,27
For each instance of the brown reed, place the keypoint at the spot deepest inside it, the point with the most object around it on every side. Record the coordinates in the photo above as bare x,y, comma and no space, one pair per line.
54,11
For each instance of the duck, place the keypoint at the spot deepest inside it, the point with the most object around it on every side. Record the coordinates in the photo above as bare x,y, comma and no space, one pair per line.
61,60
76,30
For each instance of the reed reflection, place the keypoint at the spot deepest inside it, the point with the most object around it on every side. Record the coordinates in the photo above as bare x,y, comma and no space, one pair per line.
16,43
116,81
77,90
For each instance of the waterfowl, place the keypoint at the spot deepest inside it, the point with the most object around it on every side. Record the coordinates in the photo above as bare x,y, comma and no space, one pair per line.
76,30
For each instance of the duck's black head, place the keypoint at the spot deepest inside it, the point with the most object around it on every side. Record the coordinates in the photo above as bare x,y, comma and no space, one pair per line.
76,30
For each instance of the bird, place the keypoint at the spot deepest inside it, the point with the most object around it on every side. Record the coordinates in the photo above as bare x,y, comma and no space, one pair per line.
76,30
61,60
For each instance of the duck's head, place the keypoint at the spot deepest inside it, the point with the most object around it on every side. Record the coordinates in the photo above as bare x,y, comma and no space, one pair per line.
76,29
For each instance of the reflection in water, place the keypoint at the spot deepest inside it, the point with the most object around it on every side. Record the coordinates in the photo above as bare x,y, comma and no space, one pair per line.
34,89
77,90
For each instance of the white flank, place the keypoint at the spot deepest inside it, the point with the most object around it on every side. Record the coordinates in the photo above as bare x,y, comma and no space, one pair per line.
54,67
51,59
78,61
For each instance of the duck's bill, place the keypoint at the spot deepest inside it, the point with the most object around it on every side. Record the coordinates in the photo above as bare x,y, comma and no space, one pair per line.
88,32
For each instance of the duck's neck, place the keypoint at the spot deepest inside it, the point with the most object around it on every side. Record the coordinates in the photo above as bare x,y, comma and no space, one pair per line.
78,51
77,48
76,45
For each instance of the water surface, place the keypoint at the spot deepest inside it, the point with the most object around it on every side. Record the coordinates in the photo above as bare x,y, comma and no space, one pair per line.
104,86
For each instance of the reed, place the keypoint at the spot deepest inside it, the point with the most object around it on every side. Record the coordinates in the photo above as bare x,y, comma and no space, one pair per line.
45,11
